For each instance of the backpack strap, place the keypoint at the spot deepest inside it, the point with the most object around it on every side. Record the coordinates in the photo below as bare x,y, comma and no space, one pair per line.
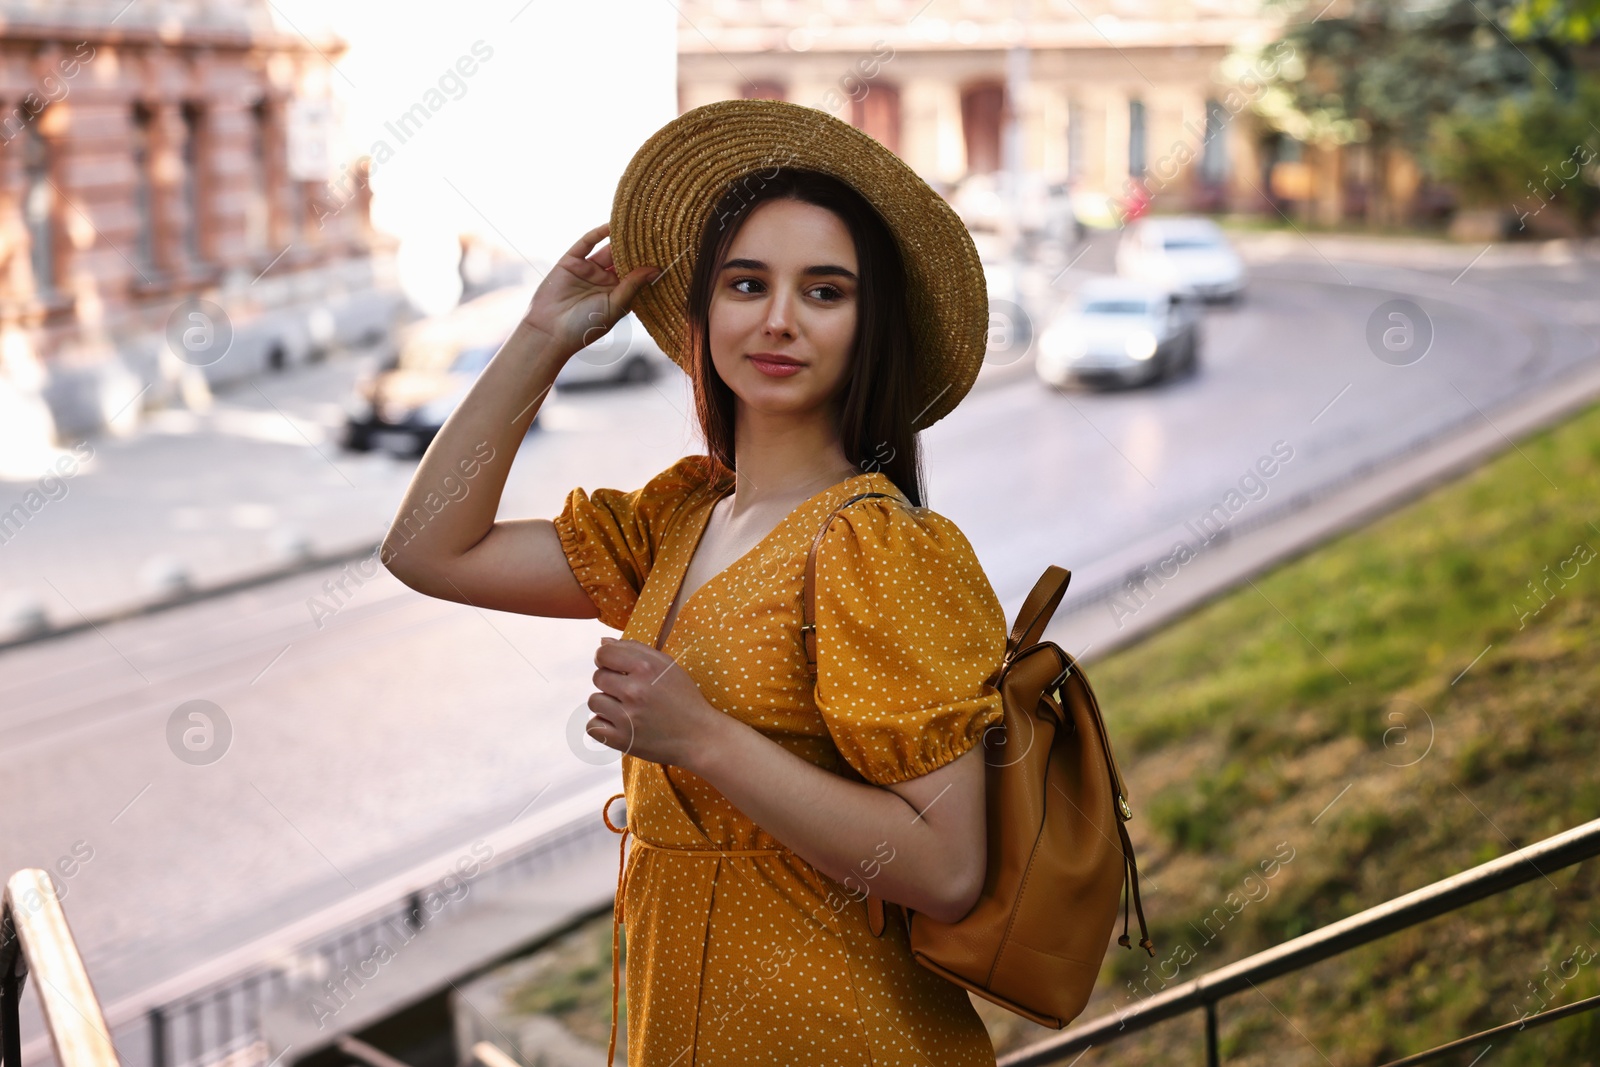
808,635
808,626
1037,609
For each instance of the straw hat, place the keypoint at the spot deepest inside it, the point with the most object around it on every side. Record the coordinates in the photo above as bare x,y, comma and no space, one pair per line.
677,175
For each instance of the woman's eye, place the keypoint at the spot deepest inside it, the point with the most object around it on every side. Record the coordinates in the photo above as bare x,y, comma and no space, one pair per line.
827,292
738,282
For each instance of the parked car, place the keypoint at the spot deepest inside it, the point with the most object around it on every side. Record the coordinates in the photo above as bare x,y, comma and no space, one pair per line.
1187,252
1044,207
401,405
626,354
1120,331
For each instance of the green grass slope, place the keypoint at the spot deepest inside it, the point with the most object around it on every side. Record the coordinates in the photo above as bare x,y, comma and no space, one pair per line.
1408,701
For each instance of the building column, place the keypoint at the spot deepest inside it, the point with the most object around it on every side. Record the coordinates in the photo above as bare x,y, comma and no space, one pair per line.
227,179
930,129
284,209
1046,147
1114,139
167,207
16,266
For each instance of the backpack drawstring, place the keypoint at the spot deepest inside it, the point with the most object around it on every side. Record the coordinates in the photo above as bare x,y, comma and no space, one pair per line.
1130,879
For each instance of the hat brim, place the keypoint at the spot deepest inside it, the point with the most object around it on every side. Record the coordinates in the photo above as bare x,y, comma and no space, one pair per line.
678,174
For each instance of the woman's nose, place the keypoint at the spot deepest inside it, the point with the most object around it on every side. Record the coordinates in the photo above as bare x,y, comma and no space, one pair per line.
780,315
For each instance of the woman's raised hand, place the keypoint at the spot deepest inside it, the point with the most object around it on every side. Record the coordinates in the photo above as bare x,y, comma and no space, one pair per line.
582,297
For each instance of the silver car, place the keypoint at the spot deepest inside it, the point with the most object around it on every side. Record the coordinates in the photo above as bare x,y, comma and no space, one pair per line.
1120,331
1187,252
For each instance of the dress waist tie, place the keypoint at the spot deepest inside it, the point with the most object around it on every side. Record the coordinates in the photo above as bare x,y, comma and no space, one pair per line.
616,909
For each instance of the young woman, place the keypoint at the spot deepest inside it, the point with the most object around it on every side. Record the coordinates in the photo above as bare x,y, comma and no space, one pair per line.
826,308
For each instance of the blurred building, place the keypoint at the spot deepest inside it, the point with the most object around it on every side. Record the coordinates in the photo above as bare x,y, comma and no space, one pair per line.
1110,97
153,154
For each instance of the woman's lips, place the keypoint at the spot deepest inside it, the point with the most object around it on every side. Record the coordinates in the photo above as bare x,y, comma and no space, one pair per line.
775,368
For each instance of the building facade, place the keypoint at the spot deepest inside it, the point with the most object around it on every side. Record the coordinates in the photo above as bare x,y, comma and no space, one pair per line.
1120,99
1098,94
167,221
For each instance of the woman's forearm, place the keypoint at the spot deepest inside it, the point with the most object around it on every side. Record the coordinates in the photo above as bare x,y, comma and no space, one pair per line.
863,836
478,441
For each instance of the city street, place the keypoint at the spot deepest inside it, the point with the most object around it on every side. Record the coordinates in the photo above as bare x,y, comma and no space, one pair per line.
398,726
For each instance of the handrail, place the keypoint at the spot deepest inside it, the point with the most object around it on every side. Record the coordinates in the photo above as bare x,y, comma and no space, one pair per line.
215,1008
1203,993
35,939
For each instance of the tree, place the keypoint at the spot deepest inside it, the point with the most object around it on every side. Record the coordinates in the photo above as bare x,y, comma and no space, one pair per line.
1383,73
1567,21
1531,154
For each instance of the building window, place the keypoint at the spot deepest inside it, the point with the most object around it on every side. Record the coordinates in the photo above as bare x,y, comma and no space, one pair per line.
1075,160
39,208
877,114
193,180
257,210
1214,154
1136,136
143,198
982,108
762,90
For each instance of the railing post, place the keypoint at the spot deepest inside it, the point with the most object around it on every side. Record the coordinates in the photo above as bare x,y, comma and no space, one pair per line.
1212,1059
10,1019
12,968
158,1038
72,1015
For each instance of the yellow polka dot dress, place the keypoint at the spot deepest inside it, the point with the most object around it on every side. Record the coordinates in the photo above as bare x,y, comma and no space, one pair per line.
739,951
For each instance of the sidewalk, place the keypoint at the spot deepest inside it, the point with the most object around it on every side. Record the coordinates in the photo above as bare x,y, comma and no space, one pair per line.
192,504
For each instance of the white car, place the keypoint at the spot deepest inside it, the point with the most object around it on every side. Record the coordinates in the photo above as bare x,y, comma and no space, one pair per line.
1189,253
626,354
1120,331
1044,206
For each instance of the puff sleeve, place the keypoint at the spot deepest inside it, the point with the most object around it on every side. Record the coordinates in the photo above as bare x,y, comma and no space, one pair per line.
909,632
610,537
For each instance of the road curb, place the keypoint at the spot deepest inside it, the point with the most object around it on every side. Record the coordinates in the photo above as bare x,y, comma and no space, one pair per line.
304,565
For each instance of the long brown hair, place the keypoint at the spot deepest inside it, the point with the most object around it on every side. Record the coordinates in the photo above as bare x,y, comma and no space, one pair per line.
875,410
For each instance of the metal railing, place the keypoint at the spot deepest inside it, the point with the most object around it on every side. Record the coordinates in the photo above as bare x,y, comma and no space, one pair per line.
35,940
1204,993
213,1014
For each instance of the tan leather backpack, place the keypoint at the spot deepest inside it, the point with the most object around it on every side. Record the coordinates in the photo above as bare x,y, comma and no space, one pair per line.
1059,853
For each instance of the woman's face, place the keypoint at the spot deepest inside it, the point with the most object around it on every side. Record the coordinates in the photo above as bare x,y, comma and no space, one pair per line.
786,288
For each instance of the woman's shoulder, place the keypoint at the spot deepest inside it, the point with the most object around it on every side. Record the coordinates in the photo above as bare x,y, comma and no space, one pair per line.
890,528
682,479
902,596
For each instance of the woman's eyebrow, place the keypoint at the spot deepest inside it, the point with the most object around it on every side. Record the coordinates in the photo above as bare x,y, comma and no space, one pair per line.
820,269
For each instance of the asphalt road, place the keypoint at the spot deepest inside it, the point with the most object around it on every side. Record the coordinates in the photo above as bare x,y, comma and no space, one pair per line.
402,726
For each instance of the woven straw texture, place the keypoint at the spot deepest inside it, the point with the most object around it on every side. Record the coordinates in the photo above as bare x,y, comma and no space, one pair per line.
675,178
